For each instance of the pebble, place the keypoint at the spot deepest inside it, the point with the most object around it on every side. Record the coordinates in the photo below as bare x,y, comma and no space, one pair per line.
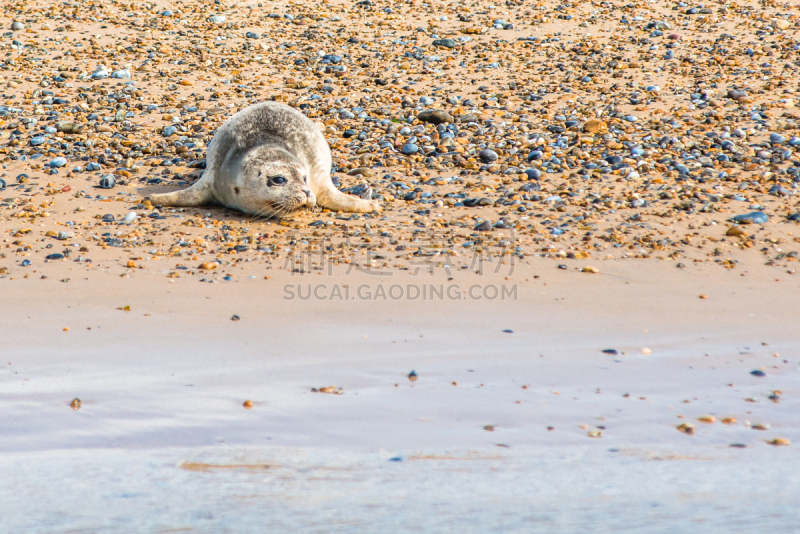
533,174
756,217
435,117
758,372
487,156
781,24
445,43
66,127
130,217
122,74
16,26
777,139
58,162
410,148
108,181
593,126
735,231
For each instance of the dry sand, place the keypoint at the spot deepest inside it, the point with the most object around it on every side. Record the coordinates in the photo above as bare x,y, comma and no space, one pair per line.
531,430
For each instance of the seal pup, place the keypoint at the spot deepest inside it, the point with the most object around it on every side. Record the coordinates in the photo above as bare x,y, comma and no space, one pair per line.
267,160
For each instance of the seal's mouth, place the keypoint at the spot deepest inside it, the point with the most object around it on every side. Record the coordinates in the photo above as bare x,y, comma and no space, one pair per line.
277,211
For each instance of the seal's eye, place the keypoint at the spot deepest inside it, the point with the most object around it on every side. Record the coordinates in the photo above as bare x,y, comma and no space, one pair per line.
277,180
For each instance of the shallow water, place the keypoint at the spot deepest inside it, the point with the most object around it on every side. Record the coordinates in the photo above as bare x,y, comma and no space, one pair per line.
543,489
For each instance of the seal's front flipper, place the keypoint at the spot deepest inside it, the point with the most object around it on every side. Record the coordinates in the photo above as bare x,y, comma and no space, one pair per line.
197,195
334,199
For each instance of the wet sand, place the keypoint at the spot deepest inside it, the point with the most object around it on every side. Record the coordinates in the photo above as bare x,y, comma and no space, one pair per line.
508,416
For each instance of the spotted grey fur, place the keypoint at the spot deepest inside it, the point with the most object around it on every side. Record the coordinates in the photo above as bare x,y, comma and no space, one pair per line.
249,155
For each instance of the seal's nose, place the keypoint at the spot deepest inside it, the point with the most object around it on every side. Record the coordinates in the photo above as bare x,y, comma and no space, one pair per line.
311,200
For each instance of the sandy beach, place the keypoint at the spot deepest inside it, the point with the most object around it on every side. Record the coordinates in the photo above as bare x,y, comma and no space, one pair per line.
496,430
574,313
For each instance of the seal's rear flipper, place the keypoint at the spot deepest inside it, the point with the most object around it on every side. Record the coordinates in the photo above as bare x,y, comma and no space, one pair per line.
197,195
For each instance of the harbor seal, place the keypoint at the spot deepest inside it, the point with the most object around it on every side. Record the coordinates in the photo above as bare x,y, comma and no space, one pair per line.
267,160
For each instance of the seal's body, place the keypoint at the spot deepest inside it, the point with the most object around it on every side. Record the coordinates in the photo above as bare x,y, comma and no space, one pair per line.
267,160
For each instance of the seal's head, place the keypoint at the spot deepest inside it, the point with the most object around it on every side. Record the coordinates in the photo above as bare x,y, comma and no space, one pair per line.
272,182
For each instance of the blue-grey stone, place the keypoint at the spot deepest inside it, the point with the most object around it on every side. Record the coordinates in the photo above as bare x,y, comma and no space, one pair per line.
777,139
756,217
533,174
108,181
445,43
487,156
